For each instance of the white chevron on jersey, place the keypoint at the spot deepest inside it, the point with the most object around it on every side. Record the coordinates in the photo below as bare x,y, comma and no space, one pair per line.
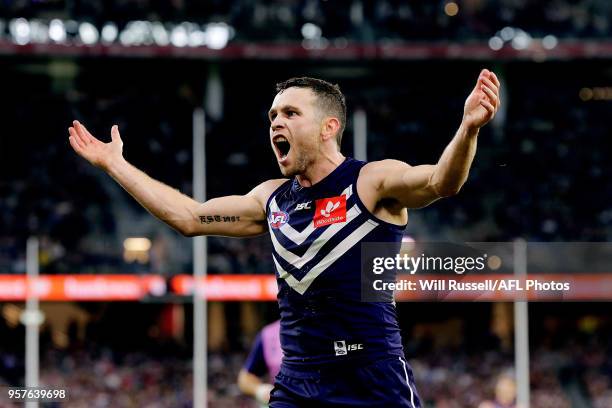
316,245
299,237
347,243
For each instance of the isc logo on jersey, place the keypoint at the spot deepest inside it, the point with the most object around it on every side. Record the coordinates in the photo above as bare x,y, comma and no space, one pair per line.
278,219
342,349
330,211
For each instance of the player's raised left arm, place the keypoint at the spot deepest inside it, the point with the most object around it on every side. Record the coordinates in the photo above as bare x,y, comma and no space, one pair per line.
418,186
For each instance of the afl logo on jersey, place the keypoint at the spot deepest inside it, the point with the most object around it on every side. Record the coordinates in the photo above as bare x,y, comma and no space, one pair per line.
278,219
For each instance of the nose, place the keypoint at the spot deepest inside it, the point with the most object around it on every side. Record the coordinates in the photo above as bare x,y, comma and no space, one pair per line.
276,124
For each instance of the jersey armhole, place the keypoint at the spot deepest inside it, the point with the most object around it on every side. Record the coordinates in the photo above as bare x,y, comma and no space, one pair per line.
365,209
274,193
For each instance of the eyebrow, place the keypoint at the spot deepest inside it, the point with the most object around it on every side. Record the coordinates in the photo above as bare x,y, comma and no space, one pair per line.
284,108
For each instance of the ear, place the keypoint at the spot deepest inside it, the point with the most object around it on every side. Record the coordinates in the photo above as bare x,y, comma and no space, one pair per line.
330,128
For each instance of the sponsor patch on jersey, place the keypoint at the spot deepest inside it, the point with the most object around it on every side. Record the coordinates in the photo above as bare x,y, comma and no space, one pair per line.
342,349
278,219
330,211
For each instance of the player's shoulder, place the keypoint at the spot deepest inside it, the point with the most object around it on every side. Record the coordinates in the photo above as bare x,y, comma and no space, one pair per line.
375,172
264,190
384,165
269,186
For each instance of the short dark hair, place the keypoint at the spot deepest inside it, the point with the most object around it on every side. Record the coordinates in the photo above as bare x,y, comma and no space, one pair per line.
331,99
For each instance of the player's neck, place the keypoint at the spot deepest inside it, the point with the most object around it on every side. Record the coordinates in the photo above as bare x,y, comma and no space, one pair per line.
320,169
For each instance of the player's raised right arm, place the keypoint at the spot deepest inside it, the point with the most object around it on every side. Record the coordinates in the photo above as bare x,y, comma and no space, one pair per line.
235,216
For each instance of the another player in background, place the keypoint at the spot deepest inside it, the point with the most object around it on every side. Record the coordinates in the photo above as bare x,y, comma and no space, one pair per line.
264,360
505,393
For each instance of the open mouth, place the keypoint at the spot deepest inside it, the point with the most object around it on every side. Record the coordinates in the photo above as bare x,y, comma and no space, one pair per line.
282,146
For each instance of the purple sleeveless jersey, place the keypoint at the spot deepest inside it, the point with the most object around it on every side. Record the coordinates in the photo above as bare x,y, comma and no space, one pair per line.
316,234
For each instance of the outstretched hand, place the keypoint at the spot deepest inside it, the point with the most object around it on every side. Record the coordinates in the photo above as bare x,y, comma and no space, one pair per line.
98,153
482,104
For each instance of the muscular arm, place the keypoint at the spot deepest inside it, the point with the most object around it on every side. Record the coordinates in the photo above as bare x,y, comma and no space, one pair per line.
232,216
418,186
236,216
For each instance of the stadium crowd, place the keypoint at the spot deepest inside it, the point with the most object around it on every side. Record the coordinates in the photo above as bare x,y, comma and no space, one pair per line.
560,378
455,365
355,20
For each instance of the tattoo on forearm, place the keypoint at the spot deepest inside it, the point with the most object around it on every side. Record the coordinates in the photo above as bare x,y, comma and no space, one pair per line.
208,219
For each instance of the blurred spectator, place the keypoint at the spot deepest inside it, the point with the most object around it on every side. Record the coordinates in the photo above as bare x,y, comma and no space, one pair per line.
505,393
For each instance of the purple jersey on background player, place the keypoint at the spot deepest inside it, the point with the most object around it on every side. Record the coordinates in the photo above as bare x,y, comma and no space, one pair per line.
266,353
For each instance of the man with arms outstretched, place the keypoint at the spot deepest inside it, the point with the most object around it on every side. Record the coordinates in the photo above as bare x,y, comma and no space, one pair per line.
338,351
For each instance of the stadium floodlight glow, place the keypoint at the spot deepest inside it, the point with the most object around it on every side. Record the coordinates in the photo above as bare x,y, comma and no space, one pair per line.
57,31
160,34
88,33
521,40
148,33
20,30
39,32
126,38
197,38
549,42
451,9
140,32
109,33
496,43
311,31
218,35
507,33
133,33
179,37
129,34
